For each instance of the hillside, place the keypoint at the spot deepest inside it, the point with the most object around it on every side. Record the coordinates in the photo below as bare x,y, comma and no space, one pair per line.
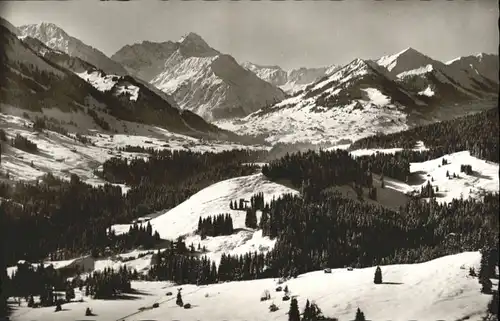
212,201
64,153
443,286
56,38
200,78
41,86
366,97
464,79
356,100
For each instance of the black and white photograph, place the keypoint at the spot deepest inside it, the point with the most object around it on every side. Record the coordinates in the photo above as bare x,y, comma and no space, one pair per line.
241,160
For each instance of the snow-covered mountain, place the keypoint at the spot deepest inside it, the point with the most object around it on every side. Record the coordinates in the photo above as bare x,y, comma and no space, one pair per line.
483,64
463,79
365,97
38,82
56,38
200,78
356,100
290,81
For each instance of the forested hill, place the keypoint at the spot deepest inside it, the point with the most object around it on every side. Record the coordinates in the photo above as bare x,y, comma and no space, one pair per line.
476,133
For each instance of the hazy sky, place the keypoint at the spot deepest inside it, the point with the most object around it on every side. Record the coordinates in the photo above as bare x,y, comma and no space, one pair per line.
289,34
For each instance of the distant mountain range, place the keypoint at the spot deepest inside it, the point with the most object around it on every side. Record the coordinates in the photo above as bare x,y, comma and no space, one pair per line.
366,97
290,81
39,79
330,104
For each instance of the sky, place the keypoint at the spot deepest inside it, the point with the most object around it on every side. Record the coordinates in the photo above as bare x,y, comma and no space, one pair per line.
290,34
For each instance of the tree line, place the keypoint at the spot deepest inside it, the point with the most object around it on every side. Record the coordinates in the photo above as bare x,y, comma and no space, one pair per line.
477,133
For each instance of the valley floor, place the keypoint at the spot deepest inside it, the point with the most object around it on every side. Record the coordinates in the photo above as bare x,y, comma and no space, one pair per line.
436,290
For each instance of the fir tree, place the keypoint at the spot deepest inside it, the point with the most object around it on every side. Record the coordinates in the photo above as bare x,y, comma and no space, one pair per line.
178,301
378,276
360,316
293,313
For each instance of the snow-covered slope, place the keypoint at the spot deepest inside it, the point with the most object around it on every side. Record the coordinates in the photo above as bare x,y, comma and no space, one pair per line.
354,101
56,38
38,81
484,177
436,290
63,155
463,79
200,78
60,58
365,97
182,220
482,64
290,81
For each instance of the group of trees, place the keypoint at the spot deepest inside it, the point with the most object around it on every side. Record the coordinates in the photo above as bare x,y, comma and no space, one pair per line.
221,224
311,235
312,312
24,144
188,268
109,283
138,235
36,280
475,133
79,214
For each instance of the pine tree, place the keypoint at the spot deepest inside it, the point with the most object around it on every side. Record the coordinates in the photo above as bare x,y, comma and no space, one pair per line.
179,299
306,316
360,316
378,276
293,313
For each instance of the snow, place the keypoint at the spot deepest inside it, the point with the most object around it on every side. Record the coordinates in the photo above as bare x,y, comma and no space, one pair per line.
182,220
290,81
213,200
108,82
443,287
485,176
62,156
418,71
427,92
364,152
377,97
300,120
199,78
56,38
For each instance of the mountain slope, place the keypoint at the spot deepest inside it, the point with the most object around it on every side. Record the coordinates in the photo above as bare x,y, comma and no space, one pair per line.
39,85
290,81
366,97
56,38
355,101
444,289
464,79
200,78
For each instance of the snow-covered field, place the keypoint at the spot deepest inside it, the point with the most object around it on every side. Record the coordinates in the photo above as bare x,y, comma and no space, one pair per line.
182,220
301,123
485,176
436,290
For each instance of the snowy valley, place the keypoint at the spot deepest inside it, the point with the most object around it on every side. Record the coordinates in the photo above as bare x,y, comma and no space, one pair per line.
169,182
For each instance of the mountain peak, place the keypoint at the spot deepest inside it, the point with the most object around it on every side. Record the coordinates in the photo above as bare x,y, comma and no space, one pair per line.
193,45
